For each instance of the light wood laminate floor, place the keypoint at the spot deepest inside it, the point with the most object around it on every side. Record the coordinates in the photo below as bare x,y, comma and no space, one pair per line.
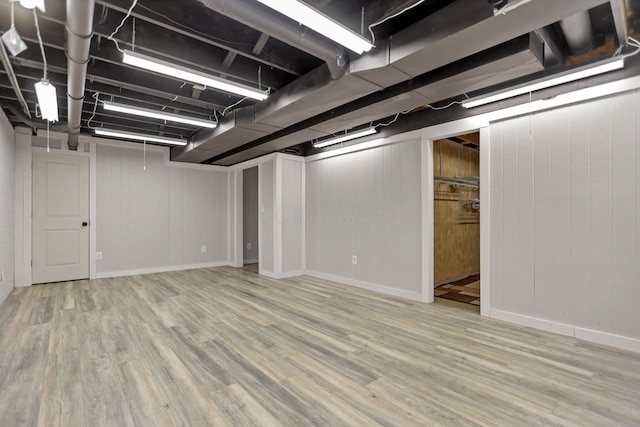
225,346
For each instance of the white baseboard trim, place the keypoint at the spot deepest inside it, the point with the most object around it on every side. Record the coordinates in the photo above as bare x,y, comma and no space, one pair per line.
534,322
108,274
364,285
283,275
599,337
613,340
4,293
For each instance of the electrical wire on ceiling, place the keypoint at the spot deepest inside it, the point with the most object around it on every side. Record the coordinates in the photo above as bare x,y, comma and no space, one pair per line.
95,96
375,24
111,36
44,56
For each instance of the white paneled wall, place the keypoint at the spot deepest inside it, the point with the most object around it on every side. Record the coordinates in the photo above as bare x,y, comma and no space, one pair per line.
266,201
7,206
291,216
367,204
565,219
156,217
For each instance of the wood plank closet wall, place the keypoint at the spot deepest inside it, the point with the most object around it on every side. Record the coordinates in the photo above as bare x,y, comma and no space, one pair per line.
456,227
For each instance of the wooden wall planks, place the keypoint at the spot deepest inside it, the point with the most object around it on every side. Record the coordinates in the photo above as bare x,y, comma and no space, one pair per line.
456,227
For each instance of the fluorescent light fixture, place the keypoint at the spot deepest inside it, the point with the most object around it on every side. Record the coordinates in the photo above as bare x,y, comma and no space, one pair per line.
48,100
139,137
543,84
347,137
183,73
511,5
30,4
320,23
144,112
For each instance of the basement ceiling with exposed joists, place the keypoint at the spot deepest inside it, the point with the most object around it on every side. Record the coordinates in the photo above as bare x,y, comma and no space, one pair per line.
428,56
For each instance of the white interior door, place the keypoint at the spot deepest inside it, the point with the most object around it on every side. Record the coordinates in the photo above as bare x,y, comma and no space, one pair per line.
60,248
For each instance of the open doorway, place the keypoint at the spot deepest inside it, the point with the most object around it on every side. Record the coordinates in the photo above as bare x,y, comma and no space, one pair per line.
456,163
250,218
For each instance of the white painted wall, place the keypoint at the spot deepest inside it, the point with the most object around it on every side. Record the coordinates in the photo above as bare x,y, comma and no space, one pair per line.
367,204
7,206
266,201
250,214
291,215
565,219
158,218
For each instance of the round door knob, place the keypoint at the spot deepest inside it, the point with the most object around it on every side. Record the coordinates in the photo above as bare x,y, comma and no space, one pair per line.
85,223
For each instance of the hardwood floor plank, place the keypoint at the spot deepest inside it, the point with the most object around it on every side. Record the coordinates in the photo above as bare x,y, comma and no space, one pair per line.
226,347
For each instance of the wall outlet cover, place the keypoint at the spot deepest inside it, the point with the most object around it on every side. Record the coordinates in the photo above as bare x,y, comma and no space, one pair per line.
248,245
98,256
354,260
203,248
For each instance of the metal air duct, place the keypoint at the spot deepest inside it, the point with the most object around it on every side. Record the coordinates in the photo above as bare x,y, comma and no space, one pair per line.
79,31
252,14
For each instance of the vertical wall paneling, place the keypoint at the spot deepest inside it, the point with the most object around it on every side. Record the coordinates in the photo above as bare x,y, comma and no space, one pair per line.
367,204
250,214
557,288
291,215
623,218
526,236
23,207
7,206
543,286
510,217
580,212
495,190
156,216
600,228
266,173
568,205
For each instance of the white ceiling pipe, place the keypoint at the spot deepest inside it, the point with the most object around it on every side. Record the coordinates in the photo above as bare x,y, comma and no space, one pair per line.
577,32
79,32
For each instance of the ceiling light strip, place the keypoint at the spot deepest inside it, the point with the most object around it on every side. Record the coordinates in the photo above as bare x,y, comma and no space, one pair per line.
346,137
48,100
153,114
139,137
158,66
571,76
320,23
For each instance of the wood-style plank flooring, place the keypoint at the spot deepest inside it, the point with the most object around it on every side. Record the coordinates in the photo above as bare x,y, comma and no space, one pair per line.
224,346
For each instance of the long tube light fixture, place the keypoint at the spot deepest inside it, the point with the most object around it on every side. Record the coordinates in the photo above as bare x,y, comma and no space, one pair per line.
139,137
320,23
511,5
346,137
543,84
177,71
47,99
144,112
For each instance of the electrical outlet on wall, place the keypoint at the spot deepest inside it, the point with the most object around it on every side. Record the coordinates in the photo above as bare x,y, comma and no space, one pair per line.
98,256
248,245
203,248
354,260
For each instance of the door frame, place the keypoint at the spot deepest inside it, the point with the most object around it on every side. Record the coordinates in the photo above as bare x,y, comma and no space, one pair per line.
429,135
24,195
